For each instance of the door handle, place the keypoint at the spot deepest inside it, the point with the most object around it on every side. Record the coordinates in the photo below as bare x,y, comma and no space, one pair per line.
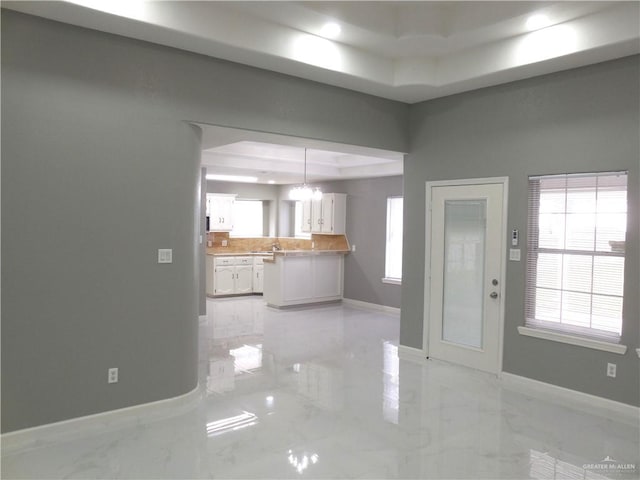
493,294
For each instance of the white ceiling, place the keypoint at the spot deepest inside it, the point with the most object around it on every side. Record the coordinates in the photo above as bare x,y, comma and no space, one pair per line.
405,51
280,159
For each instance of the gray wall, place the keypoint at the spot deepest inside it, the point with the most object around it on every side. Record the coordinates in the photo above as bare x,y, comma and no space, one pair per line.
99,170
366,228
575,121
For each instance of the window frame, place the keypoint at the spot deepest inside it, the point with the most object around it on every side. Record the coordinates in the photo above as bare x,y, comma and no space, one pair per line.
558,331
233,233
388,277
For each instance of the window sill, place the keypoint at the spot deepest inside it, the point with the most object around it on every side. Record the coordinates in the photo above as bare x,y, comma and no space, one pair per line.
392,281
573,340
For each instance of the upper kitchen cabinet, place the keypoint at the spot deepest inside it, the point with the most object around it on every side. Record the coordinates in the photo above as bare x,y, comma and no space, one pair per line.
326,215
220,211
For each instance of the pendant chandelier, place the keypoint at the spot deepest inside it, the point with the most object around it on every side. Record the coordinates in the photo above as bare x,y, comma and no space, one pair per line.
304,191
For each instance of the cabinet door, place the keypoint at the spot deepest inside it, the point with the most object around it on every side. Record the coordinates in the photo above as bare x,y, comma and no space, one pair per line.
258,279
223,280
226,211
327,214
244,279
306,216
316,216
221,213
334,213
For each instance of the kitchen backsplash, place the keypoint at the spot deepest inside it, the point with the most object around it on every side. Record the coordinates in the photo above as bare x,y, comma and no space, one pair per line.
243,245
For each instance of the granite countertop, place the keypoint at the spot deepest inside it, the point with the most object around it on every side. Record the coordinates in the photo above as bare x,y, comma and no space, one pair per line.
239,254
282,253
301,253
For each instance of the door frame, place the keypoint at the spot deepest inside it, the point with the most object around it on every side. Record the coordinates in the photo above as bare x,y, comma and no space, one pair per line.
504,181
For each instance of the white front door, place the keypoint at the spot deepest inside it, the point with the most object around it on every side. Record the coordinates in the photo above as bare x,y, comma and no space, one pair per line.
465,282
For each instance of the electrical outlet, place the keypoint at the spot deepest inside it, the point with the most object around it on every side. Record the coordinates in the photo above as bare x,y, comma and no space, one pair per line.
611,370
353,248
112,376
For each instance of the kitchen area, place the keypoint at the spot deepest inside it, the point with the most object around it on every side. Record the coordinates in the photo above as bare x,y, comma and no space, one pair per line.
286,270
275,261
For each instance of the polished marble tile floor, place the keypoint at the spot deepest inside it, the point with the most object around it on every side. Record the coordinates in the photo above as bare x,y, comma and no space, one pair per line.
320,393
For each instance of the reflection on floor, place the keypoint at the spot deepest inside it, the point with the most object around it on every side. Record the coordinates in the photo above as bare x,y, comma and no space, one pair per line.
320,393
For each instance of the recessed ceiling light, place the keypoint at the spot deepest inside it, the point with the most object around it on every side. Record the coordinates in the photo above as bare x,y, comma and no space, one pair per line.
538,21
330,30
232,178
271,182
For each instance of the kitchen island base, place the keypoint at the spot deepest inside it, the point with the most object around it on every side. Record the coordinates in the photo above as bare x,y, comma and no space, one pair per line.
303,279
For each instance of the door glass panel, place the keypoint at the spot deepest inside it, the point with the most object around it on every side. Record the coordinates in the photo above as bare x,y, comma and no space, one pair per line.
464,246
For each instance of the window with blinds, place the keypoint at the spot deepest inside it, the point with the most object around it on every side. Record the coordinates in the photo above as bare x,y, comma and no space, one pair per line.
576,253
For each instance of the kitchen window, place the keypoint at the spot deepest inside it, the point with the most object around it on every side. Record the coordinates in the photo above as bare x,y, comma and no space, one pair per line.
393,251
248,218
576,255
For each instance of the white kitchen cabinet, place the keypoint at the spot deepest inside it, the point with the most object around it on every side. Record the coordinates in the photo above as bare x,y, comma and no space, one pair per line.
220,211
229,275
224,280
307,218
258,274
304,278
325,215
243,279
258,279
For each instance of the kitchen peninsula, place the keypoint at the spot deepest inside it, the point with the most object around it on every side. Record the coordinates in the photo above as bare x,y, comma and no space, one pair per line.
289,271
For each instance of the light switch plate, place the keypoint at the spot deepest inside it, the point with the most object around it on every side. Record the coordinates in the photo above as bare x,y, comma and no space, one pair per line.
514,254
165,255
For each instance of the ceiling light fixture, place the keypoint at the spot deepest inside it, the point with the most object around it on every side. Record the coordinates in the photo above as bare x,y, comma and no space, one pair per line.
304,191
538,21
330,30
232,178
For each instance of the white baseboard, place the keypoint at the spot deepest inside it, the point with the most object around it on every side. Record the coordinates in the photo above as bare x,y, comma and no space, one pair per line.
572,398
371,306
66,430
411,354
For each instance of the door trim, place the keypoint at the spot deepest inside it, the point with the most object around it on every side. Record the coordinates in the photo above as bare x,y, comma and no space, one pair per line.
504,181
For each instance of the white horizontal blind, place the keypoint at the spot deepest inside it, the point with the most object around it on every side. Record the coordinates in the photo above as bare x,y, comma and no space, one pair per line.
575,262
393,253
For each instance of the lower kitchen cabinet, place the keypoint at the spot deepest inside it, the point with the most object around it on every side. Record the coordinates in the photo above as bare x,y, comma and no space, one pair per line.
258,279
234,275
304,278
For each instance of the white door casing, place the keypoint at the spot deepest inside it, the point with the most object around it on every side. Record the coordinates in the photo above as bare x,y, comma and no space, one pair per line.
465,263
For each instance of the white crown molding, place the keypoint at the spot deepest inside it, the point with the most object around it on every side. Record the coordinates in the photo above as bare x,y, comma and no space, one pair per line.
475,62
